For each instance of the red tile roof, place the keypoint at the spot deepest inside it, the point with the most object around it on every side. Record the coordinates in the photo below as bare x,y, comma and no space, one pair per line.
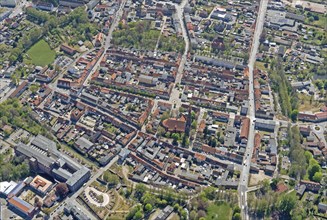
174,124
245,127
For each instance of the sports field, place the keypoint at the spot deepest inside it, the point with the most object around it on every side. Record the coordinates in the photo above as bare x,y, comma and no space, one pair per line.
40,54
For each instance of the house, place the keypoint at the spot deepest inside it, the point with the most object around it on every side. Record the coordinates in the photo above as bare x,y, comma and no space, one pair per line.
44,6
19,90
305,131
302,116
89,98
265,125
300,190
312,186
68,50
245,128
147,80
63,83
218,44
321,116
98,39
123,155
83,145
71,3
269,170
8,3
322,208
164,214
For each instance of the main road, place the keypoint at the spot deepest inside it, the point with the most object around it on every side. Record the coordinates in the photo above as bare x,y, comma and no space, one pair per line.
106,45
251,111
174,95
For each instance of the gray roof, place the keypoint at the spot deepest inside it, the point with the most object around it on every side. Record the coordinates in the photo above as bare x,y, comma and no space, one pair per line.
76,212
89,97
44,143
215,62
39,155
64,174
84,143
77,176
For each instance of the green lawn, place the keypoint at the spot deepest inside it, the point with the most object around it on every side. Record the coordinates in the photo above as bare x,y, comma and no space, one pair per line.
40,54
221,212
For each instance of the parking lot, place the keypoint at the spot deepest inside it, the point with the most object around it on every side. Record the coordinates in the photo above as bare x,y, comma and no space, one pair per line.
18,136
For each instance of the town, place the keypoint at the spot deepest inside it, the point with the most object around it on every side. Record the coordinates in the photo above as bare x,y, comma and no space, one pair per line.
152,109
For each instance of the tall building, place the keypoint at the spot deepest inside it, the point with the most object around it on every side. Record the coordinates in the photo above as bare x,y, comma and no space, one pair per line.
45,158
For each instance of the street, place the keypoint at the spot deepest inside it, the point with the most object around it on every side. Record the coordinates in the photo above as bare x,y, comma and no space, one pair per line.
114,25
251,111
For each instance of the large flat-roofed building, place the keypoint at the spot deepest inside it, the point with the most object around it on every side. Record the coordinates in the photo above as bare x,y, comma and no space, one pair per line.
7,187
41,185
23,207
45,158
78,179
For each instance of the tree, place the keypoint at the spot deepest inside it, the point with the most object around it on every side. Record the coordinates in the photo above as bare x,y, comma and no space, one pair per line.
37,202
287,204
110,178
313,170
317,177
62,190
34,88
201,214
237,216
193,215
148,207
14,79
175,137
205,131
193,125
140,189
161,131
138,215
273,184
132,213
294,114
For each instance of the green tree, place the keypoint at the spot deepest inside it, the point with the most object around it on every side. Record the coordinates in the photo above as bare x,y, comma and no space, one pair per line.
34,88
287,204
313,170
317,177
294,114
140,189
138,215
148,207
14,79
110,178
237,216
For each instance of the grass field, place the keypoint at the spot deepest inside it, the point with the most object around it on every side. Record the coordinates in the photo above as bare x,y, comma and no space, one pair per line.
306,104
221,212
40,54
